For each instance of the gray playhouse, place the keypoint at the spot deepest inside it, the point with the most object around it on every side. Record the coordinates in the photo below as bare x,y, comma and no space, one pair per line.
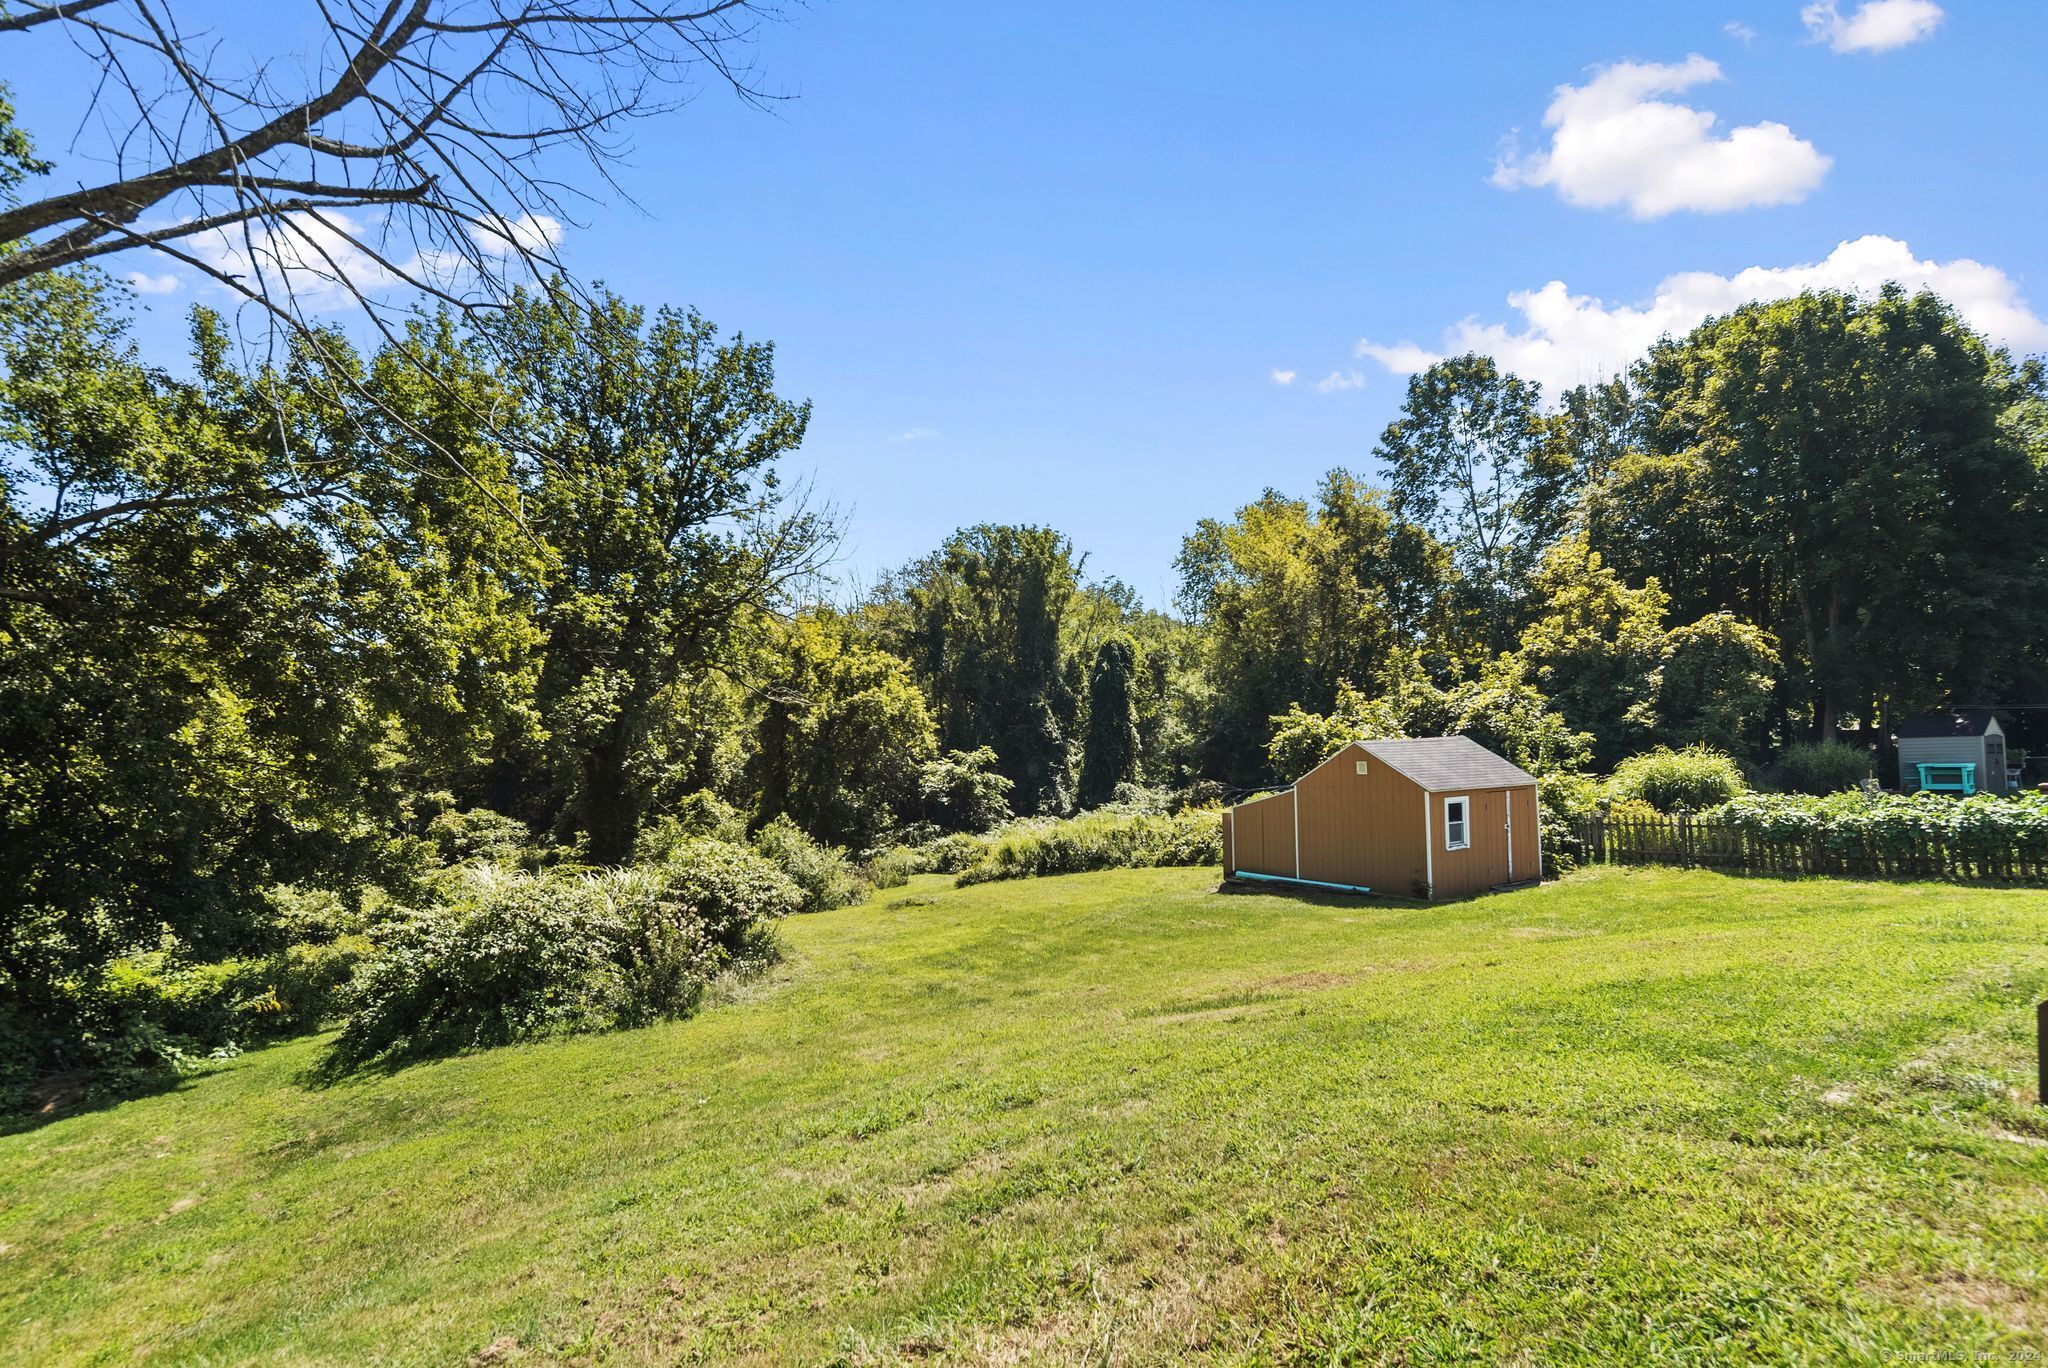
1952,752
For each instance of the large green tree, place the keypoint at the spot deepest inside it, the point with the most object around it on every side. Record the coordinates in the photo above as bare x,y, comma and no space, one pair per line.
651,447
843,737
1846,465
235,621
1713,685
981,622
1594,646
1292,597
1474,460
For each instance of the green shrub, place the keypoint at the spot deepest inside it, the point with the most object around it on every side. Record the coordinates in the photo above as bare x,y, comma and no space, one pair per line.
478,834
191,1003
961,790
702,815
525,955
666,952
1102,839
824,873
1633,810
730,888
893,867
312,916
147,1016
308,984
514,956
1697,777
952,854
1821,767
234,1002
21,1053
1984,828
1564,797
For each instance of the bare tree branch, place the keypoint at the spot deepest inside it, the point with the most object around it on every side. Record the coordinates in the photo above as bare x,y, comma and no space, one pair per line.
408,164
43,14
432,111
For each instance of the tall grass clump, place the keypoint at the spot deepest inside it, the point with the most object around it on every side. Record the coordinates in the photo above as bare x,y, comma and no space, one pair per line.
1820,767
1102,839
950,854
1697,777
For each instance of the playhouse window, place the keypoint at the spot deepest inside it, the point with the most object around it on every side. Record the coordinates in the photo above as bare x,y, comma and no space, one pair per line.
1457,826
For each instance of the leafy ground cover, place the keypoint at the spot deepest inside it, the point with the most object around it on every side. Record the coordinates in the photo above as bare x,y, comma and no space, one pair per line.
1126,1117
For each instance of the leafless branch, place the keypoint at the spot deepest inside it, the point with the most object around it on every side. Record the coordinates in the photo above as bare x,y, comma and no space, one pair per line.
43,14
406,164
429,119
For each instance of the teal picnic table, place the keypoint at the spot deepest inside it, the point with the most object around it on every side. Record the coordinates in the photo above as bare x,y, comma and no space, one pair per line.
1956,778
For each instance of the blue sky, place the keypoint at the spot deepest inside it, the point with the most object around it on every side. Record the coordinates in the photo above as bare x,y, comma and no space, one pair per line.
1039,263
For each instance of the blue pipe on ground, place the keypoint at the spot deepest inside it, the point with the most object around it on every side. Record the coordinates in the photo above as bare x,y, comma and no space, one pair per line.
1312,883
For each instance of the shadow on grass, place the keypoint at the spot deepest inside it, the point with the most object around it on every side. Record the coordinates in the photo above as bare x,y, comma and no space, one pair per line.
332,1068
1323,897
80,1092
1812,876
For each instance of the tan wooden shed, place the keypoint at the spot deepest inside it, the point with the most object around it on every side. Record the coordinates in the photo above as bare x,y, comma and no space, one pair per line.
1438,817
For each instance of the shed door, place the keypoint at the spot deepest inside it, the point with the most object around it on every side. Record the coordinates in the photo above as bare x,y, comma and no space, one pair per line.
1490,836
1523,847
1993,778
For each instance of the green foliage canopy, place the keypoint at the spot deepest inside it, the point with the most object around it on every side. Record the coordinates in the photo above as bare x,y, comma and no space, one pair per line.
652,477
980,622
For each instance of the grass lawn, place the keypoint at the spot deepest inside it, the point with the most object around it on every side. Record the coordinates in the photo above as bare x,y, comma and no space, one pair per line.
1124,1117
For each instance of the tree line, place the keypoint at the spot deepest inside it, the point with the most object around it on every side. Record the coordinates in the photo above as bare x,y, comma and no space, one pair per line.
262,621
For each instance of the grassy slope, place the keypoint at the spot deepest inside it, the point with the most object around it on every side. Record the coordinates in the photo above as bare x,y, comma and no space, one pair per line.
1123,1116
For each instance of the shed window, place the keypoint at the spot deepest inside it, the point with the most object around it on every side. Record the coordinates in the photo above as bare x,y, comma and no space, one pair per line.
1457,827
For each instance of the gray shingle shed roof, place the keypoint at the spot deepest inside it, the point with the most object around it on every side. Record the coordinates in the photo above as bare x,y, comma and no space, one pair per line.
1439,763
1966,722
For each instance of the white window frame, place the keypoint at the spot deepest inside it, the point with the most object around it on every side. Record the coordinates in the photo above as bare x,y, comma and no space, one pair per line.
1464,821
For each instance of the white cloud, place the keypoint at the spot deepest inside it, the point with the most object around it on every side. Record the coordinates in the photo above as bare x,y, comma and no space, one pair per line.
533,233
1564,339
917,434
1282,377
1739,31
1612,144
314,254
1876,26
1340,380
142,282
1402,358
325,257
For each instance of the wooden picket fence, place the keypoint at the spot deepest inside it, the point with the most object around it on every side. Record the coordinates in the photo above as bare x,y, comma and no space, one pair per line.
1682,839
